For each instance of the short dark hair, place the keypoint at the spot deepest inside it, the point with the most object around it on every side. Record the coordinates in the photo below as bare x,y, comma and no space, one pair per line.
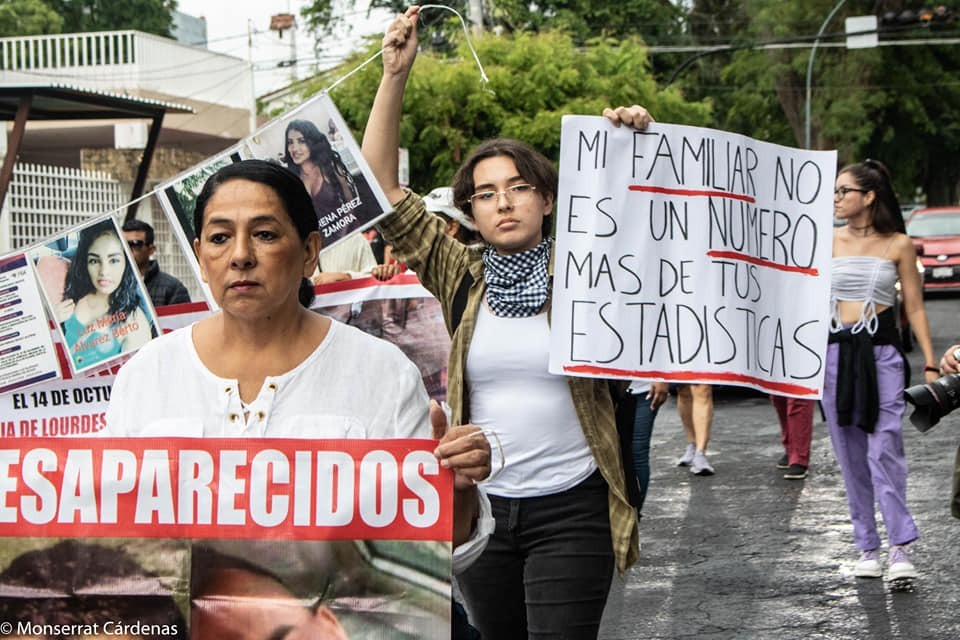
287,185
532,165
140,225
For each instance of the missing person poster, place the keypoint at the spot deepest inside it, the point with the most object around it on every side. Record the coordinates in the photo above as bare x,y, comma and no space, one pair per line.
691,255
27,355
98,303
314,142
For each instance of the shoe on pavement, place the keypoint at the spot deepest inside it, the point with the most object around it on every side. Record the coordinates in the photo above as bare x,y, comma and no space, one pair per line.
869,565
700,465
795,472
783,462
900,566
687,456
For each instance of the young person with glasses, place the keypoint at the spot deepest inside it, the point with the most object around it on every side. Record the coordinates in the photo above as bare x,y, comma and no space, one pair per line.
865,368
563,519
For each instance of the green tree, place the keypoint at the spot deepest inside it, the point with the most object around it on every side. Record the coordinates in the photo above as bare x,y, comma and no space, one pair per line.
28,18
151,16
894,103
534,79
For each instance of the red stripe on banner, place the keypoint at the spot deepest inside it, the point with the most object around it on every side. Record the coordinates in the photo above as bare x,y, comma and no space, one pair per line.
362,283
692,192
183,307
248,488
695,376
734,255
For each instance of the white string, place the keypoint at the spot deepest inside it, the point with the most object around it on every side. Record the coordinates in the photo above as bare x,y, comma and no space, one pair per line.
493,474
466,35
485,81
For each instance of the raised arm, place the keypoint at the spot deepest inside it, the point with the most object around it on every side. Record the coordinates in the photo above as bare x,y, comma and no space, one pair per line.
381,138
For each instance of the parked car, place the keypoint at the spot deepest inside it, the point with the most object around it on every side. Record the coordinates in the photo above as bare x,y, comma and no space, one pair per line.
936,235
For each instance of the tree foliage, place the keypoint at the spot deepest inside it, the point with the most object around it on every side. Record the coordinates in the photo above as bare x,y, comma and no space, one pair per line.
151,16
534,79
894,103
28,18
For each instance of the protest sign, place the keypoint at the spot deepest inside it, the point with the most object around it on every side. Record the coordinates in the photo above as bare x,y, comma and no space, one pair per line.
691,255
93,289
259,531
249,488
314,142
27,354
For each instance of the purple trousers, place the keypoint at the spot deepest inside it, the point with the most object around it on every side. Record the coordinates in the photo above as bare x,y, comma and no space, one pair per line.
873,465
796,427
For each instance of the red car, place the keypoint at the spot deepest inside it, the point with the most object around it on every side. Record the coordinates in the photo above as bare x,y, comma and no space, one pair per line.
936,235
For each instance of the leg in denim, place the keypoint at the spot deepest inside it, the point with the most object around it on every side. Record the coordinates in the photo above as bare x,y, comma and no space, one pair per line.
642,430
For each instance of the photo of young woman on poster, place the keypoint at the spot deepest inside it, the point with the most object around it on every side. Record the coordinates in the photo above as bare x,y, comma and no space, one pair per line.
310,155
101,309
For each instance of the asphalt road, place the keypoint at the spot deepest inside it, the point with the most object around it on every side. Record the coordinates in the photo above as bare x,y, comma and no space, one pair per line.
746,554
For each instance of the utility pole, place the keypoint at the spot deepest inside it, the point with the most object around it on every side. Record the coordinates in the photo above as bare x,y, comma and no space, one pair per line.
475,15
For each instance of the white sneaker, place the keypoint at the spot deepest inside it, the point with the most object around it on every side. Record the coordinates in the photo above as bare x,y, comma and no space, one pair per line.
687,456
900,566
700,465
869,565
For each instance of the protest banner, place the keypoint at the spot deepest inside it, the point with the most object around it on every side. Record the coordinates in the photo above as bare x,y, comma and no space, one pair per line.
389,580
691,255
27,354
361,527
93,290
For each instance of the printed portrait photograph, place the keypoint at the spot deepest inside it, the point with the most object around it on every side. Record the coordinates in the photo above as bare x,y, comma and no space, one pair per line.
94,293
315,143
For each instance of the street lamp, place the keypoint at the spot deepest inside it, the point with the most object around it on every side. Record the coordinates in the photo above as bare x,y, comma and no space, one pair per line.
813,51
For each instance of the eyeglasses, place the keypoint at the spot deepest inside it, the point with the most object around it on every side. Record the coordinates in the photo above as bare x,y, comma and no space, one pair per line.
515,194
841,192
137,244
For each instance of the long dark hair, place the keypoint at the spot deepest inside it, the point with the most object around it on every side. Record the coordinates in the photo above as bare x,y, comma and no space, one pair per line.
873,175
323,155
288,187
532,166
126,297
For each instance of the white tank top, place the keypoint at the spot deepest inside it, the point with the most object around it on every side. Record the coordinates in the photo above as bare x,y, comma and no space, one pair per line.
531,410
869,279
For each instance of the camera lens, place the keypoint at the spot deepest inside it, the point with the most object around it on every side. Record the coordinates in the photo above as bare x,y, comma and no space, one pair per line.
933,401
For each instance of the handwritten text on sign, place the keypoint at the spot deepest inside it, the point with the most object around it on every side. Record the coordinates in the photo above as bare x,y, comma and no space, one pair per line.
224,488
690,254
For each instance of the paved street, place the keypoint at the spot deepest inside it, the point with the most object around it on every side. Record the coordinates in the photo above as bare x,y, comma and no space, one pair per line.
748,554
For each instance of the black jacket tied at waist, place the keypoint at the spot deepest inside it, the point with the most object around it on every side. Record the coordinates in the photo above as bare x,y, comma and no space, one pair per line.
857,370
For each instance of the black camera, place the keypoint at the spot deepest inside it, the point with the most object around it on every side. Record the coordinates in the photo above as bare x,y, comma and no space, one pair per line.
934,400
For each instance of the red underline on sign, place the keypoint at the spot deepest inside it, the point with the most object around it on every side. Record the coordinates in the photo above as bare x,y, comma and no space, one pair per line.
694,376
692,192
733,255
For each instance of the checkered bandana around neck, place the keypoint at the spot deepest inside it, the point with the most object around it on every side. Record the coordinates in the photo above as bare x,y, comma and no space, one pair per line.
517,283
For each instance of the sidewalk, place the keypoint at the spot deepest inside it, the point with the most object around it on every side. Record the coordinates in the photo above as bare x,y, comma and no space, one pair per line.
746,554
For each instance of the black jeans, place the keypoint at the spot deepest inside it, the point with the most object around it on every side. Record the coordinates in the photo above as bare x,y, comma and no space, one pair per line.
547,568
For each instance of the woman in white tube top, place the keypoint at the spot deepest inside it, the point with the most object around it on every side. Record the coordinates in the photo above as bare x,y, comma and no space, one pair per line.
865,370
